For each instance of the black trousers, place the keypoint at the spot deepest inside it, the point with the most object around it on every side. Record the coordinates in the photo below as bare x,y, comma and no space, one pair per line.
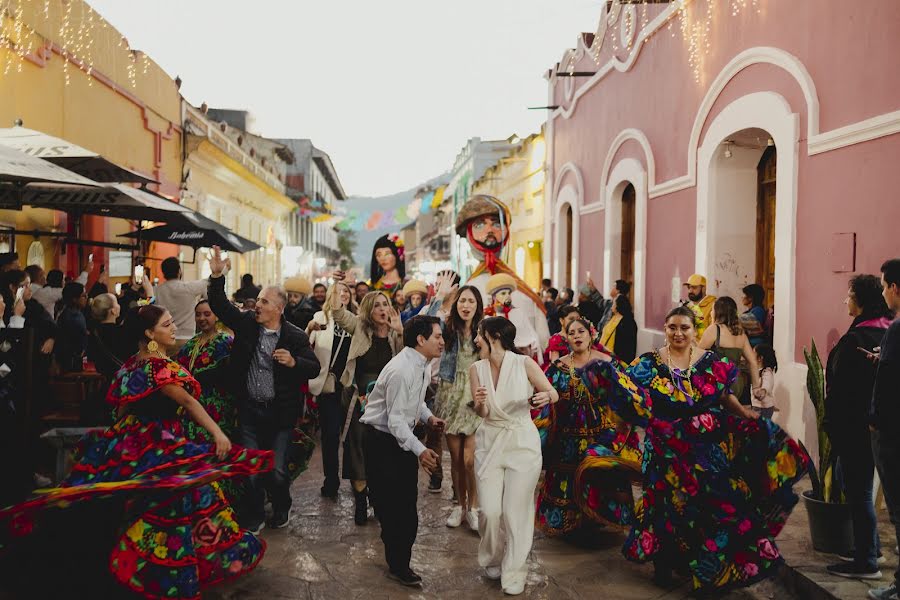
258,429
331,419
393,476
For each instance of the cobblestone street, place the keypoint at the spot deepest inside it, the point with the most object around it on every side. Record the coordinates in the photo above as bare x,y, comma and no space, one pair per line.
323,555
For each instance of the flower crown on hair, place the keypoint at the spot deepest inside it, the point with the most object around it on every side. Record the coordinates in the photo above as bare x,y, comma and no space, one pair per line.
398,244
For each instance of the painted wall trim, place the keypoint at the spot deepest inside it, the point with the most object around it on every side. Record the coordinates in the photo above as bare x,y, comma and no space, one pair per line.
855,133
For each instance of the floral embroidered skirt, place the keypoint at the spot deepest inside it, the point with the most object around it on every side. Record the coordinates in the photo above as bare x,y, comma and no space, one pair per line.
179,531
717,492
588,475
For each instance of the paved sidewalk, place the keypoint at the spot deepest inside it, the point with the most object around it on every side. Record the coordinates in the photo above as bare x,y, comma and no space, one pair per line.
323,555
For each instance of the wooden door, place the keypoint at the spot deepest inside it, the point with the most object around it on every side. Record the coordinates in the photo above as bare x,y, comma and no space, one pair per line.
765,224
567,275
626,258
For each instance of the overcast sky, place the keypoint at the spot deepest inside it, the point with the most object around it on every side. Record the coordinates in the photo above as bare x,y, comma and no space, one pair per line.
391,89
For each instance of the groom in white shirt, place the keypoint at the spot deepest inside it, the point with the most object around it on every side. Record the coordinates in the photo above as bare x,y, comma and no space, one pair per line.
393,452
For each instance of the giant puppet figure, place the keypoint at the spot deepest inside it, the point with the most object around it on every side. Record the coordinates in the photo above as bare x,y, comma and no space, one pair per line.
484,222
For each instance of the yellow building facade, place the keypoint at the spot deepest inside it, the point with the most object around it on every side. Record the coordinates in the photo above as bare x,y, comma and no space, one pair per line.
518,180
66,72
233,187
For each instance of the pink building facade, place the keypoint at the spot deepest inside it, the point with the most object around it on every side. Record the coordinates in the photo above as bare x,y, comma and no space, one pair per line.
747,141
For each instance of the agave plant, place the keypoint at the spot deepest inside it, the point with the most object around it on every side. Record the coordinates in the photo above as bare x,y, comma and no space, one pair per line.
822,476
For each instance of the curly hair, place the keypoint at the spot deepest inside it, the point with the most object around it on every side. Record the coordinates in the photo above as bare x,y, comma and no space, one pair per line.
867,291
726,312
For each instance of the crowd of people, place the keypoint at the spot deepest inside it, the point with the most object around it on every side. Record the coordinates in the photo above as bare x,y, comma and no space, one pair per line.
548,414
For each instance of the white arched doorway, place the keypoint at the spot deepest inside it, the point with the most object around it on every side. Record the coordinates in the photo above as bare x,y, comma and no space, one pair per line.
625,233
565,267
743,138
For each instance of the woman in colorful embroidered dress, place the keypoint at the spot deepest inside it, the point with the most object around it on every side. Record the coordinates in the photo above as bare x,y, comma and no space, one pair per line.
591,458
179,534
205,357
717,480
388,268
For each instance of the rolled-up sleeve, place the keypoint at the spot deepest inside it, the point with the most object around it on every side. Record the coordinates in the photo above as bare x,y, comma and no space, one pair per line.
397,391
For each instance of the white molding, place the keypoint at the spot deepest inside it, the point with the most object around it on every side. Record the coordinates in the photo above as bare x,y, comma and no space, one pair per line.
855,133
629,170
771,112
569,167
591,208
567,198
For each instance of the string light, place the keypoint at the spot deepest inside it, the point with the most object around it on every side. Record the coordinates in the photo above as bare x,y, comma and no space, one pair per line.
686,18
75,36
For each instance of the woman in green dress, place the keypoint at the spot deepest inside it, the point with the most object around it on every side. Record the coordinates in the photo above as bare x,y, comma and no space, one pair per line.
452,401
205,356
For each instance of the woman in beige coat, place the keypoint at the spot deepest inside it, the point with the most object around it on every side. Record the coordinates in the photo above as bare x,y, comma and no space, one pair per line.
377,336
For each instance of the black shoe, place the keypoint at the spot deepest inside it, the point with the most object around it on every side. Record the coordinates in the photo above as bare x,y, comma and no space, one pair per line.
361,514
434,484
850,557
280,519
854,571
329,492
406,577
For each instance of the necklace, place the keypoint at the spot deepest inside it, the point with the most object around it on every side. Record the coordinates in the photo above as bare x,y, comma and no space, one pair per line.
681,378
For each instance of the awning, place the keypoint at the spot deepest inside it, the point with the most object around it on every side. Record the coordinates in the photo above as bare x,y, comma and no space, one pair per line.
112,200
206,235
20,168
69,156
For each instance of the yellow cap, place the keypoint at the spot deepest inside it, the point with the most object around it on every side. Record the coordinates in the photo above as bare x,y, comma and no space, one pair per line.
499,282
696,279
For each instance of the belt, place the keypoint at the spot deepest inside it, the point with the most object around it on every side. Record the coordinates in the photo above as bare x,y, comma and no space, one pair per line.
506,428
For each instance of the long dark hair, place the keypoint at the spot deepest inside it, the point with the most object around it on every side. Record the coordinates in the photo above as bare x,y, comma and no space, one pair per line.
375,271
623,306
501,329
12,278
767,358
727,314
867,291
455,324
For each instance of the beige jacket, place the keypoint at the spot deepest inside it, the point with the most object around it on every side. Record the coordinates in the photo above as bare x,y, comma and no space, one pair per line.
360,342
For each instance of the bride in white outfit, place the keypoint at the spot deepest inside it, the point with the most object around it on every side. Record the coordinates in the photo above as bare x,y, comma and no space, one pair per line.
507,450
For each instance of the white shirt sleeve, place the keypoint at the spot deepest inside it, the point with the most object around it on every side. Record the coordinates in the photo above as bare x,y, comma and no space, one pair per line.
198,288
396,391
82,279
15,322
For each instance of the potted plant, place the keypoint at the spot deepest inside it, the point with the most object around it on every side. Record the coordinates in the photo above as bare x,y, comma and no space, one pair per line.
830,525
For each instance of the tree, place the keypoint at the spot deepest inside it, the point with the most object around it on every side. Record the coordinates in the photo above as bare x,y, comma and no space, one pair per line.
347,244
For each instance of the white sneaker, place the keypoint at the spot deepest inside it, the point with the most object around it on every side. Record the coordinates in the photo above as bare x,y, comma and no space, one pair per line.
455,518
492,573
514,590
472,520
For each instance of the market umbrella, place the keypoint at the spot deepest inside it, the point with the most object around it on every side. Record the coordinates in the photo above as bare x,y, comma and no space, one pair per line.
207,235
111,200
20,168
69,156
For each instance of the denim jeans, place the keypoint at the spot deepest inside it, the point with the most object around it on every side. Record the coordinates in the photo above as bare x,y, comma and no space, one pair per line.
259,430
886,450
858,469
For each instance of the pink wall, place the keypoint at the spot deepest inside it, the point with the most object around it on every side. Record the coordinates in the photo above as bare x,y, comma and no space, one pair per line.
852,62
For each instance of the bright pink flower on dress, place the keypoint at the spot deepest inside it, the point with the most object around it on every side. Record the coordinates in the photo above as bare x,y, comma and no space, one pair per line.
767,549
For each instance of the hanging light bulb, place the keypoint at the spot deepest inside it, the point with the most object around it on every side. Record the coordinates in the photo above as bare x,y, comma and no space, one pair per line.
727,152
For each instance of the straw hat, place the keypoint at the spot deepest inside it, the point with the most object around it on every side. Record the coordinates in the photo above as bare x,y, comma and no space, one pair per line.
414,286
500,281
298,285
480,206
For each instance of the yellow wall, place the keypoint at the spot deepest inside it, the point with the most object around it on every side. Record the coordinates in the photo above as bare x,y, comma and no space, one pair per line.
225,191
518,180
103,112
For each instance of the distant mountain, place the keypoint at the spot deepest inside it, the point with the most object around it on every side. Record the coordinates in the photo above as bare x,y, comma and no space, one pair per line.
366,239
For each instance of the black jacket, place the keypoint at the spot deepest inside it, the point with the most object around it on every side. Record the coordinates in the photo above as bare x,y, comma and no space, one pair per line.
303,313
849,379
626,339
886,395
288,381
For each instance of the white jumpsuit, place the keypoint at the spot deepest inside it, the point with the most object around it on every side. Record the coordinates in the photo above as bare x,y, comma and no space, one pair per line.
507,465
